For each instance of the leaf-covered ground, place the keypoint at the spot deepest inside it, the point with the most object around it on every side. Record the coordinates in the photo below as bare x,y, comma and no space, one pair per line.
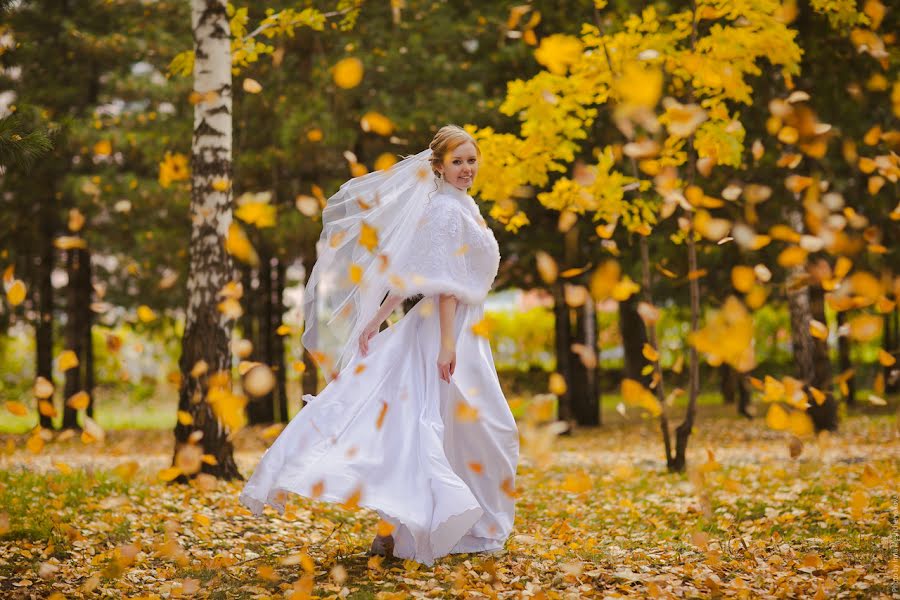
597,516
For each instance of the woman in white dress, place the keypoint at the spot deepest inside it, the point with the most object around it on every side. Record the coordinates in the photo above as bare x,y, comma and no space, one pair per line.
412,423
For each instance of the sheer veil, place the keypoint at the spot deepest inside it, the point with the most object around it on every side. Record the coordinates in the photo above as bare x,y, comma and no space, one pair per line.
367,226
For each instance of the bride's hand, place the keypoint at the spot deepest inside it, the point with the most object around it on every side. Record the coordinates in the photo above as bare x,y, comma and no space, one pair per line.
364,338
446,363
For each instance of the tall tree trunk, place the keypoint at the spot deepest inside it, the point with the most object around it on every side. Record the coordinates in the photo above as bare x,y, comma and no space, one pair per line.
278,362
44,328
562,344
74,337
87,321
889,343
309,380
634,336
824,416
267,329
207,331
683,431
585,399
727,383
844,363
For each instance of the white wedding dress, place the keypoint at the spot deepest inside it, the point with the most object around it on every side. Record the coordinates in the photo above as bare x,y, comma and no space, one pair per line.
436,460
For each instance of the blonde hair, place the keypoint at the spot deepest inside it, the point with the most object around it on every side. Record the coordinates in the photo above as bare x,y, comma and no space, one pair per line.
447,139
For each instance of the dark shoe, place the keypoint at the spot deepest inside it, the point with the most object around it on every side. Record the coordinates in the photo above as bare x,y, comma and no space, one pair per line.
382,545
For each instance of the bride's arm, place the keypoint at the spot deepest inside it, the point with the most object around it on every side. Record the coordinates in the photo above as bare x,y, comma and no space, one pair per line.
387,307
447,354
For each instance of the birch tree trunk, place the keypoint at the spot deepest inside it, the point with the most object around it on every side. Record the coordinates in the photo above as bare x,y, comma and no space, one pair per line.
207,330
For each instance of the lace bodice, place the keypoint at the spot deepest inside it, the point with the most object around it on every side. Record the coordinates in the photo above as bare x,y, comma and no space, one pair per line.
453,251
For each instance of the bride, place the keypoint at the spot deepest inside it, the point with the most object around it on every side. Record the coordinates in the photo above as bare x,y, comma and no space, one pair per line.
412,423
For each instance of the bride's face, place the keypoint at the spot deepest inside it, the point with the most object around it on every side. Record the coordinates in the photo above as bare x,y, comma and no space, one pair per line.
460,166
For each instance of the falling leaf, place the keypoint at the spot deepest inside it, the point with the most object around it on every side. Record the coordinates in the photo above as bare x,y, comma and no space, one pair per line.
650,353
635,394
238,245
465,412
15,294
16,408
381,414
79,401
368,237
251,86
348,73
352,501
557,384
260,214
376,123
557,52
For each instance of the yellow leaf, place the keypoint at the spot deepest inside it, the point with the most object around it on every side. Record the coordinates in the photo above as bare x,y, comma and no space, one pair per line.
817,395
67,360
16,408
185,417
624,289
64,468
252,86
284,330
79,401
886,358
168,474
238,245
384,528
777,418
792,256
145,314
16,293
315,135
577,483
381,414
46,409
272,431
69,242
353,499
557,52
870,477
557,384
743,278
483,328
635,394
376,123
859,500
260,214
650,353
466,413
355,273
385,160
865,328
35,443
348,73
103,148
201,519
818,330
799,423
368,237
221,184
76,220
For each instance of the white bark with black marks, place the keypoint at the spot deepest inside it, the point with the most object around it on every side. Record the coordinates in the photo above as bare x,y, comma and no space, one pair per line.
207,330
